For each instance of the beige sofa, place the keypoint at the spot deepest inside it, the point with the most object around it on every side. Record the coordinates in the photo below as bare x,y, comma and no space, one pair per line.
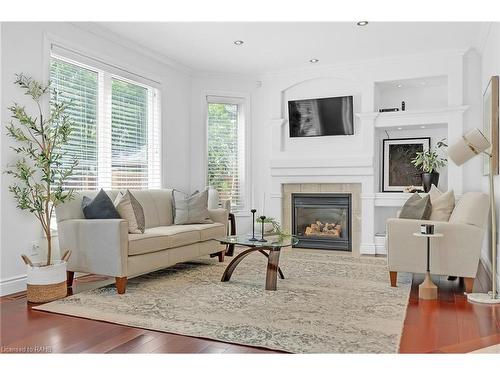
104,246
456,254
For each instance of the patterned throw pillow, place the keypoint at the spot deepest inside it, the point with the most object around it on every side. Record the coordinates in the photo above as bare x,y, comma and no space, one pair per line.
139,212
416,207
129,209
101,207
190,209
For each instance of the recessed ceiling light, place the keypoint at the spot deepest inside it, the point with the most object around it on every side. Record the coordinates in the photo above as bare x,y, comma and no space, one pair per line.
399,85
238,42
362,23
400,128
313,61
422,127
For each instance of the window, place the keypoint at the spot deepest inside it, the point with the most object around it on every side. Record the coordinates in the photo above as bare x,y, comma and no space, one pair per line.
226,149
116,138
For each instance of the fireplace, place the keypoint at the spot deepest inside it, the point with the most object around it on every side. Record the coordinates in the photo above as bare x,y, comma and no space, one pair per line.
322,220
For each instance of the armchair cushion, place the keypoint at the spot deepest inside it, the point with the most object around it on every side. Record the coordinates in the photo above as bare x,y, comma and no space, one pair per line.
416,207
442,204
472,208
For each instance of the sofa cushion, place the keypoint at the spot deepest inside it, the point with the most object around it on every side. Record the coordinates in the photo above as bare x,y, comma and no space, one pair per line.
167,237
210,231
129,212
192,209
99,207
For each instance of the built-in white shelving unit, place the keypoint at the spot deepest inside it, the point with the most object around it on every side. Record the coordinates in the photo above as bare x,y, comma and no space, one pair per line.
430,117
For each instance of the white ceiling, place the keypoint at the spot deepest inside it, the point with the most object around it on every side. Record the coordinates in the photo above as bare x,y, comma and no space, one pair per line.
276,46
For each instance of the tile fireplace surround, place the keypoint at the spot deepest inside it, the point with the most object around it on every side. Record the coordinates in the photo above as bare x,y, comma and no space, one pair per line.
353,189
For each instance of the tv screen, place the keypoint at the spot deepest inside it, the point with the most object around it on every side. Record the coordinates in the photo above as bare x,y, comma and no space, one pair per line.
318,117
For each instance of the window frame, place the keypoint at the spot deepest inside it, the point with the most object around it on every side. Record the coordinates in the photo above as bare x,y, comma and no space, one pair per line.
243,102
104,116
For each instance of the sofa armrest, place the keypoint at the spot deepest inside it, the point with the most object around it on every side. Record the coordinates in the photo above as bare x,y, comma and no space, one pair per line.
97,246
219,215
456,253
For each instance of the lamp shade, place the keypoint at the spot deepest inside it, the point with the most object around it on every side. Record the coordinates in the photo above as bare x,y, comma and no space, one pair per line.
471,144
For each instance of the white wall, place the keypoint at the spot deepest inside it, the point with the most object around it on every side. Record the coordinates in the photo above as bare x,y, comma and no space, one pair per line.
25,48
201,86
348,157
491,66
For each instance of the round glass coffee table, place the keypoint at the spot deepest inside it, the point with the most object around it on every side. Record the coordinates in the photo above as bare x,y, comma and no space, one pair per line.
270,249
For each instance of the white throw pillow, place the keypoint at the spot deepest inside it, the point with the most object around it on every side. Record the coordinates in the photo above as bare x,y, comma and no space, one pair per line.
442,204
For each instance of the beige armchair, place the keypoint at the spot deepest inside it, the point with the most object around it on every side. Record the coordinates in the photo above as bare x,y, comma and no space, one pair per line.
457,253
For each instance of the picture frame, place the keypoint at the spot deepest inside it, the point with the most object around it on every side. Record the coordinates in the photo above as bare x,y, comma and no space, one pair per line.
397,170
490,124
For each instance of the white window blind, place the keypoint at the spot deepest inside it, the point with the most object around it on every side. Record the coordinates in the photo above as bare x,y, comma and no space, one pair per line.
117,134
226,149
79,85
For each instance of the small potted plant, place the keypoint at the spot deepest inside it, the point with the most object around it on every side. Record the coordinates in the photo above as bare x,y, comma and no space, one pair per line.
40,177
429,162
268,224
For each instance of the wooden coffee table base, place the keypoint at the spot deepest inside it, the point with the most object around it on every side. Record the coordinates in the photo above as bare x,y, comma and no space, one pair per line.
273,268
427,290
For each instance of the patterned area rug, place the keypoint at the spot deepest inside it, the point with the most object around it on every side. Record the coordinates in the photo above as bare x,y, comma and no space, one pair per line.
328,303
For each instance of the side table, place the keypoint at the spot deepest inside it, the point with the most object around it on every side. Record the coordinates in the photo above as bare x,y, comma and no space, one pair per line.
428,290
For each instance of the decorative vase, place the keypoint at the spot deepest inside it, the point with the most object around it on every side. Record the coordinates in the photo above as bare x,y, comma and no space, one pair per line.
46,283
429,179
268,227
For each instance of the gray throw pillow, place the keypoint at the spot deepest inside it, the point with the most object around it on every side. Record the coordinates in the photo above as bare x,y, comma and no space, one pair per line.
416,207
190,209
101,207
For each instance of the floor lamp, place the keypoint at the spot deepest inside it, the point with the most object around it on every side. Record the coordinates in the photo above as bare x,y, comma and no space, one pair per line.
472,144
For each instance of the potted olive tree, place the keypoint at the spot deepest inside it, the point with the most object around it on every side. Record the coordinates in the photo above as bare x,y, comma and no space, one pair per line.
39,178
429,162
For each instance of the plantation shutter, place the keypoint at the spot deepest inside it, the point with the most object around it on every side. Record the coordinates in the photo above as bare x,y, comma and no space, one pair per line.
80,85
226,150
116,138
132,165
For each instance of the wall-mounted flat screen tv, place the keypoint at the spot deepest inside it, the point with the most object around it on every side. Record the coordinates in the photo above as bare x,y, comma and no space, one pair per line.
321,117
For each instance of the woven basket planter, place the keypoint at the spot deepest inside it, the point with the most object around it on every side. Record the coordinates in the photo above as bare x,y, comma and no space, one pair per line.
46,283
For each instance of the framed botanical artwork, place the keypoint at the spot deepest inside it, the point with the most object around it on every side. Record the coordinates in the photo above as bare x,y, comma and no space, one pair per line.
490,124
397,170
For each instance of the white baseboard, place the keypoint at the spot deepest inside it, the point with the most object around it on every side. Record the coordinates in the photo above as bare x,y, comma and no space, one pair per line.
12,285
367,249
487,266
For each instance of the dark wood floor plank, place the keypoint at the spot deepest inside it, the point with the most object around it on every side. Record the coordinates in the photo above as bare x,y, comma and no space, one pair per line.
135,342
114,341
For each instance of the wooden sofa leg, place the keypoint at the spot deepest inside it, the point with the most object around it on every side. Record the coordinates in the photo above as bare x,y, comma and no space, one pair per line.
221,256
394,278
69,278
121,284
469,284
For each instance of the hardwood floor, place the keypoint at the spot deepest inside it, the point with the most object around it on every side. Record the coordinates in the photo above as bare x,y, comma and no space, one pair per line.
447,325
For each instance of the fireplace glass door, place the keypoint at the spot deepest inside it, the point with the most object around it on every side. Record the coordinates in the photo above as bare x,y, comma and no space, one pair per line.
322,220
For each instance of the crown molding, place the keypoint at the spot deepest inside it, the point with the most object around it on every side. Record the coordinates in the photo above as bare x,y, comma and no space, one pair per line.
363,63
222,75
111,36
